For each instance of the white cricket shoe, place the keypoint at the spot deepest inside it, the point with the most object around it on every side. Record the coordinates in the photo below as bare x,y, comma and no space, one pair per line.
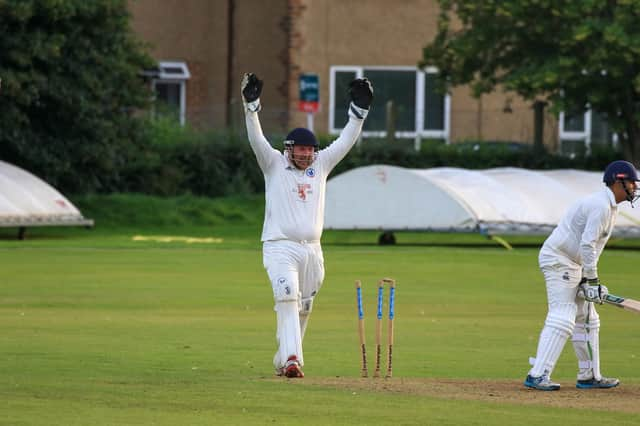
543,383
603,383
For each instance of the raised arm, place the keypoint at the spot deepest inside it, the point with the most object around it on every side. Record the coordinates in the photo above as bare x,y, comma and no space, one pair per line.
251,89
361,94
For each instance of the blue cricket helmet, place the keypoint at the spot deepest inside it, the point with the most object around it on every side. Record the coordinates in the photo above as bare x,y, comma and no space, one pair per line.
619,170
301,136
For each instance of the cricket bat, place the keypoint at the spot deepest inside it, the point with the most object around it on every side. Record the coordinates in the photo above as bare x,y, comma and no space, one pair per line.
623,302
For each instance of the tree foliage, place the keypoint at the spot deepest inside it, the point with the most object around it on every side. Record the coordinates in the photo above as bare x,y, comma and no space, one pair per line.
572,54
71,84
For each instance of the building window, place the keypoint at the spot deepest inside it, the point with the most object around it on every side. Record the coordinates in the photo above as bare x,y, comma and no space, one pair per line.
420,112
580,131
169,84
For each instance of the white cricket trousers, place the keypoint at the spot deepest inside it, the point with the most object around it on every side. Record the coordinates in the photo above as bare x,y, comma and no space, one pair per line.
569,315
296,272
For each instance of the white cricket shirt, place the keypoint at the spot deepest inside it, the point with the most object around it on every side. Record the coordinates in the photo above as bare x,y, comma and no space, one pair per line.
295,198
581,235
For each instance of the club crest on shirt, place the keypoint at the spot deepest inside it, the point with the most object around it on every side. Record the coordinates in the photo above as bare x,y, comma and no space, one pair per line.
565,276
303,189
311,172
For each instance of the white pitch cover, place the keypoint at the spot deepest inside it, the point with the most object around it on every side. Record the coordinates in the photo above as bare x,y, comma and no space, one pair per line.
26,200
504,200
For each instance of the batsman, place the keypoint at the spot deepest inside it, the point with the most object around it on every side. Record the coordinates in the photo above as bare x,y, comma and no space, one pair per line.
569,262
295,183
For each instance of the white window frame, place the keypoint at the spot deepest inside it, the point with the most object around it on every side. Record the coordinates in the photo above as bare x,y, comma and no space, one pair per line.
332,89
165,76
444,133
420,132
586,135
569,135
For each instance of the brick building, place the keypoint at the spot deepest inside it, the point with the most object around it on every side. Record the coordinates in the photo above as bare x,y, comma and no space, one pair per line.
209,44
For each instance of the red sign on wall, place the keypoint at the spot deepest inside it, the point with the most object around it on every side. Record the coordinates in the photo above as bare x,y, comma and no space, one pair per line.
309,97
307,106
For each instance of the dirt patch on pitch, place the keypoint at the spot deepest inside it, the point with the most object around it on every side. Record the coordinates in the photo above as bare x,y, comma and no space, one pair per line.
623,398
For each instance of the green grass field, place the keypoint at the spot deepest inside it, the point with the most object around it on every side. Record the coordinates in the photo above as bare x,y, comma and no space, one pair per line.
99,329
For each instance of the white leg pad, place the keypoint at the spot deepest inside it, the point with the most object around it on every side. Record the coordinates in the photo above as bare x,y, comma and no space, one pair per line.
584,365
586,344
305,313
594,342
285,290
304,320
288,333
555,333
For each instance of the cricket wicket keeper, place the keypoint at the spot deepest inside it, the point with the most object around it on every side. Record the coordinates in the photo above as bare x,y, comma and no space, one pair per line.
295,182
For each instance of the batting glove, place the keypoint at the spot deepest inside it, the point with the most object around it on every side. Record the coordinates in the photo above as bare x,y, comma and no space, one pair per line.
251,89
593,290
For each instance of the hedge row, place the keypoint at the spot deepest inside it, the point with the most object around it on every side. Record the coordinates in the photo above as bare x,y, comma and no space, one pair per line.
168,160
178,162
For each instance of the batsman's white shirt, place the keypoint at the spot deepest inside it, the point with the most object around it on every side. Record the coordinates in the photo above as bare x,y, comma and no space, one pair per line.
295,198
581,235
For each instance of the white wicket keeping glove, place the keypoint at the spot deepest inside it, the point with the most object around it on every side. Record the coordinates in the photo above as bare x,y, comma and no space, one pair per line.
251,88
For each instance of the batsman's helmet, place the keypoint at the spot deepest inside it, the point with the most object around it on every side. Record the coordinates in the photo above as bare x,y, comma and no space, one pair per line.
301,136
619,170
